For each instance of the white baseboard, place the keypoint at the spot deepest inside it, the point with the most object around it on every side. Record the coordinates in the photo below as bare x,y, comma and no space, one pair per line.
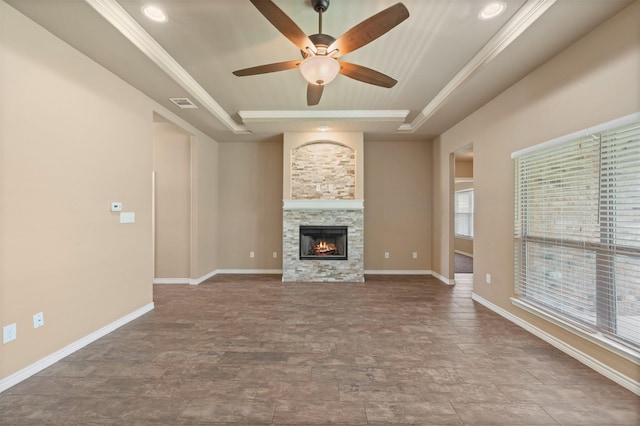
51,359
464,253
397,272
279,271
248,271
200,280
171,281
409,272
203,278
589,361
444,279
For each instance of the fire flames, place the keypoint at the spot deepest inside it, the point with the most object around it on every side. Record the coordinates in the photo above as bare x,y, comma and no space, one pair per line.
324,247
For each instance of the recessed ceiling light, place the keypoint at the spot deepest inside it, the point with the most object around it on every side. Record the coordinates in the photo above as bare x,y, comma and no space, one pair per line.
492,10
154,13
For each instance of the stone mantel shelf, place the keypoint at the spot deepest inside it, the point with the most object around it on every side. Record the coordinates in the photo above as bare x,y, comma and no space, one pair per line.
323,204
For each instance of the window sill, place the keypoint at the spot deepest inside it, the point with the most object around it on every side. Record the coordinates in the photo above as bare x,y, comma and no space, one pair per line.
593,337
463,237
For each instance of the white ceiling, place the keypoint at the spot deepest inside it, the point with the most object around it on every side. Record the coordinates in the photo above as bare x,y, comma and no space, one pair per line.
447,61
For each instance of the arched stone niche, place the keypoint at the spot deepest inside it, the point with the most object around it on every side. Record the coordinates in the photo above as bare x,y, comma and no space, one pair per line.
323,170
332,160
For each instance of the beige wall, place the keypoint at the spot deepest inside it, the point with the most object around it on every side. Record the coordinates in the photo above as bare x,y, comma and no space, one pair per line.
204,207
592,82
68,150
463,245
397,206
443,187
172,167
74,138
250,178
464,169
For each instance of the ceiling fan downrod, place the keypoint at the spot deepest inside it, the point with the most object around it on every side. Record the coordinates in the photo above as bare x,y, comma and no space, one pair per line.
320,6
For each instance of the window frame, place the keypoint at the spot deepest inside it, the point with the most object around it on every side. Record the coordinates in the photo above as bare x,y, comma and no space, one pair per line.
468,215
602,334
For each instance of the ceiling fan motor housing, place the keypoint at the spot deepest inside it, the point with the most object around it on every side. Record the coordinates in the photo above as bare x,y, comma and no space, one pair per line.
321,41
320,5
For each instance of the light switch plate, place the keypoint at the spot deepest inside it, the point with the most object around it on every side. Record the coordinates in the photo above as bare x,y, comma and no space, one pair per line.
116,206
127,217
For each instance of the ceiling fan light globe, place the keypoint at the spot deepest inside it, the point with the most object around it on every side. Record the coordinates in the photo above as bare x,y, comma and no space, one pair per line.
319,70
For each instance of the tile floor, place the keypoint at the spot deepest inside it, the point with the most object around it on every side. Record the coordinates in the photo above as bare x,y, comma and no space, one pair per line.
252,350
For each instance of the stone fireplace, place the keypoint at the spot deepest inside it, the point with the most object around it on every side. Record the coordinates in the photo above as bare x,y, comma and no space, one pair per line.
323,209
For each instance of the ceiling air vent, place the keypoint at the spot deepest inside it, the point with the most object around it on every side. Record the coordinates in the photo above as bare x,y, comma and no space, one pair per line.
183,103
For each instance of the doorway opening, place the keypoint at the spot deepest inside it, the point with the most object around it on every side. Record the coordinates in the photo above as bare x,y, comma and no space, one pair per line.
462,224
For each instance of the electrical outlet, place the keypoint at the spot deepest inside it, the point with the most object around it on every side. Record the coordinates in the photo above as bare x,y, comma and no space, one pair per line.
252,254
275,254
9,333
415,254
488,278
386,254
38,320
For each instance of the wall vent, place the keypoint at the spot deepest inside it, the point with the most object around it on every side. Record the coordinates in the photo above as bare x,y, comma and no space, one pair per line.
183,103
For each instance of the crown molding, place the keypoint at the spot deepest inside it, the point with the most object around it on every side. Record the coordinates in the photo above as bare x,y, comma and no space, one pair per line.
529,13
363,115
117,16
341,120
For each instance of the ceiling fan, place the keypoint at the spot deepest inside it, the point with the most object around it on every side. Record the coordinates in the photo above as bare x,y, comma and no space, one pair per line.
319,65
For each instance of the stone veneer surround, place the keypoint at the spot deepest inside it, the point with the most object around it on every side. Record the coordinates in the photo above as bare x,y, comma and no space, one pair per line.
348,213
323,185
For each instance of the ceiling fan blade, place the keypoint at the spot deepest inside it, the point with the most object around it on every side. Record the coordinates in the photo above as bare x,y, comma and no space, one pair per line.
366,75
283,23
263,69
314,93
369,29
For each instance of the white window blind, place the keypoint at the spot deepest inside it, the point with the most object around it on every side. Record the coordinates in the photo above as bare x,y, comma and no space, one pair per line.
464,213
577,231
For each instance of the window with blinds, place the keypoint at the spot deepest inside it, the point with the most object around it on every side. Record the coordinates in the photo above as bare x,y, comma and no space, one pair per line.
577,231
463,211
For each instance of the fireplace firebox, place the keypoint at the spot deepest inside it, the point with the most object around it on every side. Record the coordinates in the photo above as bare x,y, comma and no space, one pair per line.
323,242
